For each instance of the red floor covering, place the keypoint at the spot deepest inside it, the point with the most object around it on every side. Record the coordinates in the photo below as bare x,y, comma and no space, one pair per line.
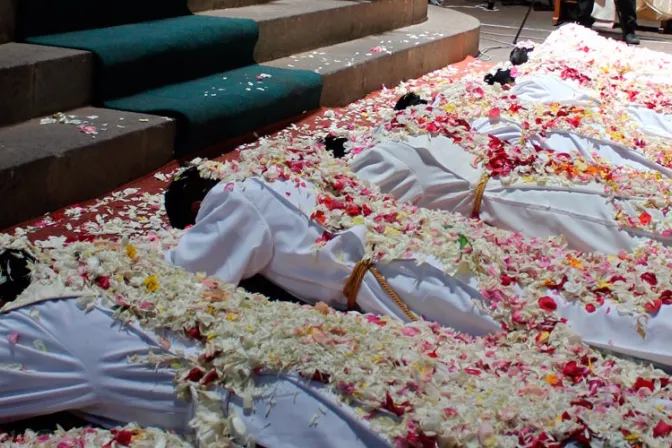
77,226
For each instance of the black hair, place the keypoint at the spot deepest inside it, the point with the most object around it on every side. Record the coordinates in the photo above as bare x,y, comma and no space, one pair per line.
186,189
14,273
502,77
519,56
335,145
408,100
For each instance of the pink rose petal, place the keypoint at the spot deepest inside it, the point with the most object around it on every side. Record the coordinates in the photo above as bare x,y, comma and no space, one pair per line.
13,337
410,331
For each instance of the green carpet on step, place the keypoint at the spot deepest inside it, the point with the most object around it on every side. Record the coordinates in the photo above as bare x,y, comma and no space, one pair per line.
139,56
40,17
214,108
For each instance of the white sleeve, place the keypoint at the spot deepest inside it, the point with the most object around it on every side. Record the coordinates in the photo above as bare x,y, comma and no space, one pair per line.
430,172
55,356
504,129
652,122
550,88
231,239
294,413
39,374
645,338
585,218
379,166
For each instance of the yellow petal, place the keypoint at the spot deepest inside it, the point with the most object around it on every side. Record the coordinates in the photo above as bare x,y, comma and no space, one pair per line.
391,231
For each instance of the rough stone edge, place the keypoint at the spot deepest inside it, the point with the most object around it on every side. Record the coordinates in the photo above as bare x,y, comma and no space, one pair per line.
206,5
349,84
42,85
291,34
49,183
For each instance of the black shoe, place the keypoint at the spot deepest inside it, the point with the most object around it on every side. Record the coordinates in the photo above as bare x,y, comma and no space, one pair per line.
586,23
631,39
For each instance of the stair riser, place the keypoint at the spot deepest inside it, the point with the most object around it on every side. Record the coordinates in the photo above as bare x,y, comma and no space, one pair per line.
49,183
7,20
205,5
285,36
33,86
344,86
297,28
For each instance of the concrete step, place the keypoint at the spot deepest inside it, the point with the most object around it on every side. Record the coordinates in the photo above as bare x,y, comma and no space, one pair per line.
205,5
293,26
36,81
47,166
351,70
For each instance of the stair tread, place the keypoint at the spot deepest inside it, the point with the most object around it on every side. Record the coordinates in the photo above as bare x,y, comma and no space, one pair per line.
281,8
353,69
31,140
46,166
441,24
14,54
294,26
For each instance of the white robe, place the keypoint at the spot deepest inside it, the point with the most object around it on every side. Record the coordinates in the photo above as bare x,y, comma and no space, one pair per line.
77,361
548,88
257,227
437,174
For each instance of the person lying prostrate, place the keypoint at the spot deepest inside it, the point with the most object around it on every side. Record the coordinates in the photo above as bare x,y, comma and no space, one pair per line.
57,356
548,88
263,228
435,173
255,226
571,143
652,122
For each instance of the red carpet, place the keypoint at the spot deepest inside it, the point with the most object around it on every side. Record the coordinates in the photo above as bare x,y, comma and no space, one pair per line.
95,218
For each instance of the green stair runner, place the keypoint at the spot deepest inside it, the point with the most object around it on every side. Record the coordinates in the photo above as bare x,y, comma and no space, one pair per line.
228,104
144,55
193,68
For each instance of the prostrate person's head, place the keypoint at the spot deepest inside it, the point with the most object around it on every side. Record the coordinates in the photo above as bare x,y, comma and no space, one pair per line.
501,76
519,55
14,273
408,100
184,196
335,145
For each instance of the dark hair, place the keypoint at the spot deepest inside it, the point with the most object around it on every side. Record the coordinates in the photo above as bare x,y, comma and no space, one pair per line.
186,189
14,273
408,100
502,77
519,56
335,145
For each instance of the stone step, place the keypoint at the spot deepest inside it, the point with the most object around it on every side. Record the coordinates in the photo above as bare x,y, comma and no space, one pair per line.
205,5
37,80
351,70
47,166
288,27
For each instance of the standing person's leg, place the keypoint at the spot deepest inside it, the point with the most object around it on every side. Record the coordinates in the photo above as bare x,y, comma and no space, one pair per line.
585,13
627,12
